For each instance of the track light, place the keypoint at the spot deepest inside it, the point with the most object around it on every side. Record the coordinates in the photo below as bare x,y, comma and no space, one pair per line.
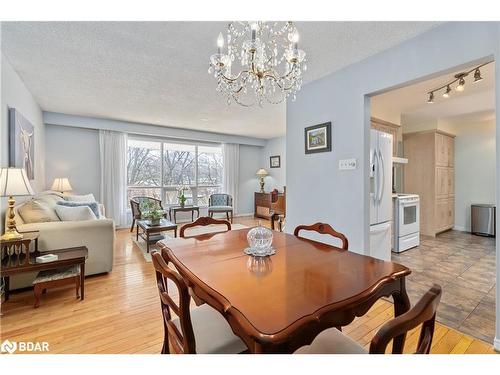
447,92
431,98
461,84
477,76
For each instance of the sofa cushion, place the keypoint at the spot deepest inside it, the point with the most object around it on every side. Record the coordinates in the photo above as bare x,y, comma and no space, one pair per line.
35,211
49,199
94,206
75,213
80,198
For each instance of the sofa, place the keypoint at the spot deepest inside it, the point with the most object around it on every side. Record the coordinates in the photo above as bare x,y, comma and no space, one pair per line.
97,234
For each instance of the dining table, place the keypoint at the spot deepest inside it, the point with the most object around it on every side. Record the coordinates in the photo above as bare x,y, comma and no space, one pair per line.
279,303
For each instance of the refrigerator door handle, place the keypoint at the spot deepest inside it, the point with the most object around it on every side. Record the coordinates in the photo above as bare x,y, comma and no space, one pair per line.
375,176
382,164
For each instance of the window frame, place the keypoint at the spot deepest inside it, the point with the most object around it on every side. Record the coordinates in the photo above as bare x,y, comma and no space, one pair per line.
164,188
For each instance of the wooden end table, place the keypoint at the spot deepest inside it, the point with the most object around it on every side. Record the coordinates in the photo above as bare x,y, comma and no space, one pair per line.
16,264
152,233
176,209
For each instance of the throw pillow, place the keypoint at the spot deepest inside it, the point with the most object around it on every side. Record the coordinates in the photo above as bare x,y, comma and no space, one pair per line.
80,198
36,212
92,205
75,213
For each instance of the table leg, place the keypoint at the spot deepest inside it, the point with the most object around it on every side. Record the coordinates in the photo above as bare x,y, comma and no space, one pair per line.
147,241
7,287
175,217
137,233
82,281
401,305
192,215
175,232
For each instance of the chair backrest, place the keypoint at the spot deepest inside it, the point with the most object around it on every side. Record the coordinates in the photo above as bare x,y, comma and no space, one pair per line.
220,200
204,221
135,205
323,228
182,341
423,313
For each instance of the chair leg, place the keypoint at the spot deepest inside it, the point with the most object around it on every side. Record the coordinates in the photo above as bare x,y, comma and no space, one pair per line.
227,215
232,214
77,282
132,227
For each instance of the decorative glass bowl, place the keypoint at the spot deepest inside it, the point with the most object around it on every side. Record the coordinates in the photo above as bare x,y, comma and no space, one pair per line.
260,240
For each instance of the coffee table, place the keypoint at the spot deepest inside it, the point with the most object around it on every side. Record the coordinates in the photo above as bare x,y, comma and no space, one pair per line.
152,233
176,209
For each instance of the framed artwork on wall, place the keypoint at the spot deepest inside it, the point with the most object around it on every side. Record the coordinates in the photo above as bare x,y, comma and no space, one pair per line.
275,161
318,138
21,143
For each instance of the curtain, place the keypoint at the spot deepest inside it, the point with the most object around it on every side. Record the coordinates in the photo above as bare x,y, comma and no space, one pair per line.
113,154
231,155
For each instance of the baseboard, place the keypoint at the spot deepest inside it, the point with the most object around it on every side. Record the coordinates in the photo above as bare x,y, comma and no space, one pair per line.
461,229
496,344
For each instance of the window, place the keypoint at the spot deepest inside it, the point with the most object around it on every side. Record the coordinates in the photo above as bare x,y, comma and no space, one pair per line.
158,169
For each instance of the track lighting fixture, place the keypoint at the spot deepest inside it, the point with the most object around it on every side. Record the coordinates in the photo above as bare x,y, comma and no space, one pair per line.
460,78
446,94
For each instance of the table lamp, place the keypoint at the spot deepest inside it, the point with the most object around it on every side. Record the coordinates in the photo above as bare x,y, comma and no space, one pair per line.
13,183
262,173
61,184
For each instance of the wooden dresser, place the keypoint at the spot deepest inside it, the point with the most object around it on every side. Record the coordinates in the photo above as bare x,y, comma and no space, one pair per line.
430,173
263,205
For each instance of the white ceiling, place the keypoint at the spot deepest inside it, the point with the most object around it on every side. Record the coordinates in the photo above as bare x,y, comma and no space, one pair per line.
156,72
411,101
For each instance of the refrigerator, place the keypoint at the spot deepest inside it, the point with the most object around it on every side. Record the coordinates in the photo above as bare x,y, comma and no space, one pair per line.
380,194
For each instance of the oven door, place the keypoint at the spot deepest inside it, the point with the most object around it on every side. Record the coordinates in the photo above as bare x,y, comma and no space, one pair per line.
409,217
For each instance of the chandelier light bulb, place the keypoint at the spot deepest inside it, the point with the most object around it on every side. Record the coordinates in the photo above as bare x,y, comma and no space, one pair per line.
220,42
295,37
447,92
461,84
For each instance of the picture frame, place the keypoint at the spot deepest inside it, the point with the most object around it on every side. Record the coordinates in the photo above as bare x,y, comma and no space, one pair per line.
275,161
21,143
318,138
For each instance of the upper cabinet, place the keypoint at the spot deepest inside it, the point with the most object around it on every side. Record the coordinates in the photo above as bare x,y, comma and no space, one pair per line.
445,150
388,127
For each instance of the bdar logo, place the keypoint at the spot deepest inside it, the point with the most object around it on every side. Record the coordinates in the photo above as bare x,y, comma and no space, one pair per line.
8,347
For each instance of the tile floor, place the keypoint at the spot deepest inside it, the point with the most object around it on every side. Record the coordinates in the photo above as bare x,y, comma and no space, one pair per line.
464,266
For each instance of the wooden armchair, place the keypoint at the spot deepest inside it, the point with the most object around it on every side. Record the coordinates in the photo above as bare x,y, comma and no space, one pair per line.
199,330
204,221
332,341
135,205
323,228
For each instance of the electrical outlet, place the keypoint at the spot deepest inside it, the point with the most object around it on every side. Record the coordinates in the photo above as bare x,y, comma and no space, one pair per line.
348,164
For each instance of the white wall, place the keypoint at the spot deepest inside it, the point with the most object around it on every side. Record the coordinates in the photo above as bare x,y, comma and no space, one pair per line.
16,95
250,162
277,176
317,190
73,153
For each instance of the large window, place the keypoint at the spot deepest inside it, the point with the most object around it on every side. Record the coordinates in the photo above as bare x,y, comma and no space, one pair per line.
158,169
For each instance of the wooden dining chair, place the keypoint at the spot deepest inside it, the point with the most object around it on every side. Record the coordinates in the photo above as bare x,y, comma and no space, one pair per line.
204,221
332,341
201,330
323,228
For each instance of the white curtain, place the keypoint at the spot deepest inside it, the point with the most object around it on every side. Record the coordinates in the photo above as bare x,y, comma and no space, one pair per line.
113,153
231,154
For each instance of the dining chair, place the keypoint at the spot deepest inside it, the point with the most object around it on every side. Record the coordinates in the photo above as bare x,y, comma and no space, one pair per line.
278,208
332,341
202,330
221,203
323,228
135,205
204,221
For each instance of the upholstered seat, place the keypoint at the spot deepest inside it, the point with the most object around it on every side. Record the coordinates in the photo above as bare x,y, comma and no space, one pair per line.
332,341
220,208
212,332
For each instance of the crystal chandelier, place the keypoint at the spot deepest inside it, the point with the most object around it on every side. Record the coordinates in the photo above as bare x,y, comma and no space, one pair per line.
262,63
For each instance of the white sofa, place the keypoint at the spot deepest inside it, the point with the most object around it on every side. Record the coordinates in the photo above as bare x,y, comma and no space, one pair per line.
97,235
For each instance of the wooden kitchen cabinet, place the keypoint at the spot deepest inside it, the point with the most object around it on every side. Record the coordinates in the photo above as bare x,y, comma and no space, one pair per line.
430,173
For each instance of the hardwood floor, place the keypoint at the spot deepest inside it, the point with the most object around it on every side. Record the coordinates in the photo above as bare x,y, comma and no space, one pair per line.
121,313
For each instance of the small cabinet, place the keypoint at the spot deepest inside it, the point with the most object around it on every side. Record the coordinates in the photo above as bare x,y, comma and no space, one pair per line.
442,181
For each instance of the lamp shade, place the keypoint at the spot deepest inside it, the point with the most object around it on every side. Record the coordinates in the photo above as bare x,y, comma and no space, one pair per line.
14,182
262,172
61,184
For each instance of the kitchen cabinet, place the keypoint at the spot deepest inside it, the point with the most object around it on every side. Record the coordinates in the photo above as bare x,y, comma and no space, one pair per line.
430,173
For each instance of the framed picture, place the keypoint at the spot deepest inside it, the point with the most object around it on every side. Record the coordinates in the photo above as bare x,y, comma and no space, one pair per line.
21,143
275,161
318,138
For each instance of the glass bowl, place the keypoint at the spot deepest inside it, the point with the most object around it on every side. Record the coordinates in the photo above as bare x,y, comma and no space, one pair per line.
260,240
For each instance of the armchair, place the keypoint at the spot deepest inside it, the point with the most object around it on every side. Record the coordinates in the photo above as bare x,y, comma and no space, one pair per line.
220,203
135,205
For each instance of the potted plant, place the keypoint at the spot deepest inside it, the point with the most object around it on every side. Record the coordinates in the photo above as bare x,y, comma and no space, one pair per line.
182,198
152,211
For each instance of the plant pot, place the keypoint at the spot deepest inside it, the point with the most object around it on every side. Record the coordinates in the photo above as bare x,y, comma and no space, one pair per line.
155,222
182,204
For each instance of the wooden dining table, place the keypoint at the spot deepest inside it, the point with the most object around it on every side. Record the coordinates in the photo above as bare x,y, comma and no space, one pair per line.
279,303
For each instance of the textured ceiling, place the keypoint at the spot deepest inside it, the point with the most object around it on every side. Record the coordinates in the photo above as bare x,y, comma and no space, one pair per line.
156,72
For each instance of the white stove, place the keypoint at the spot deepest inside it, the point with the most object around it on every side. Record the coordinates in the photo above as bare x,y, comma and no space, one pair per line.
406,222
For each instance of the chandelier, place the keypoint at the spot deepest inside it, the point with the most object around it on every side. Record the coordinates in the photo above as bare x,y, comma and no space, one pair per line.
262,63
